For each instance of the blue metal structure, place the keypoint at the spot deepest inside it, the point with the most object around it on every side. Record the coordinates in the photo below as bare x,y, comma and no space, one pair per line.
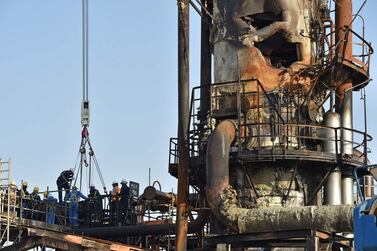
365,223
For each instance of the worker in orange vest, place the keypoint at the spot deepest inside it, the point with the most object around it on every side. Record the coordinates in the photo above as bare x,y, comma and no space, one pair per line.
115,197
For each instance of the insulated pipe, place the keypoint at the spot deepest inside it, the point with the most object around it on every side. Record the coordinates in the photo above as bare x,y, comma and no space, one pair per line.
347,123
332,135
137,230
347,190
151,193
217,163
333,188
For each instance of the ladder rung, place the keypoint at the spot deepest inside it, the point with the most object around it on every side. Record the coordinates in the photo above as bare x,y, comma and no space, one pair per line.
4,171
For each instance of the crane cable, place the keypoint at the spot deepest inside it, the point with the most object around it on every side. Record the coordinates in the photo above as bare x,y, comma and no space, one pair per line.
85,46
85,141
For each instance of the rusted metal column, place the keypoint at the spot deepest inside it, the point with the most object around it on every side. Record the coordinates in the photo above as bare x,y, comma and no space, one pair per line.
183,120
343,20
205,60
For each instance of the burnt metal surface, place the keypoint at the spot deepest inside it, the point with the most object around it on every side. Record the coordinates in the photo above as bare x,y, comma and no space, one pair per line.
183,122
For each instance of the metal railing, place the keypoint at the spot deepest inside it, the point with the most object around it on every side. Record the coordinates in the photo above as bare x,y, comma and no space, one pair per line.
265,120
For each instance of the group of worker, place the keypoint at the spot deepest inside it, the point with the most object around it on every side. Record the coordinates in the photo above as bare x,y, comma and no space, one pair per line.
120,198
28,205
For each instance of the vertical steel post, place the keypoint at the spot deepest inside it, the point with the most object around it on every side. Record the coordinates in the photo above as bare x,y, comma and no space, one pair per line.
183,120
205,61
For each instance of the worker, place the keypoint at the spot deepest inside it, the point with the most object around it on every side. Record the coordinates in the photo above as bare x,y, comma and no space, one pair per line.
24,198
35,203
73,198
64,181
124,200
13,196
51,207
115,197
95,203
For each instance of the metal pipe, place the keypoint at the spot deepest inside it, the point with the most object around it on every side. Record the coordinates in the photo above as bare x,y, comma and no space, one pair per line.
343,19
142,230
347,124
205,60
151,193
183,120
333,188
217,162
347,190
332,135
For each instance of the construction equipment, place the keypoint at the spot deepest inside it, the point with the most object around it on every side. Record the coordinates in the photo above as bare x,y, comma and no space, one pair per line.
85,146
365,213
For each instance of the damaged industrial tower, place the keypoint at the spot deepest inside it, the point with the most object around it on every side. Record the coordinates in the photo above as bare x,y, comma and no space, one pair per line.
271,143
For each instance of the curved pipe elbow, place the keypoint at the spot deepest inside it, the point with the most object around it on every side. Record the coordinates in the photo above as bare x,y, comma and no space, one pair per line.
217,163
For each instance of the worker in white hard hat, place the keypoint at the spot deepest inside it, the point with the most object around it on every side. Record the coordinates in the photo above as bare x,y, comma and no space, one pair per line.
13,195
64,181
124,200
115,197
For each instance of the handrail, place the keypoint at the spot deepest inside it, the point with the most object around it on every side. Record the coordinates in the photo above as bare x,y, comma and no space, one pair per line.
289,129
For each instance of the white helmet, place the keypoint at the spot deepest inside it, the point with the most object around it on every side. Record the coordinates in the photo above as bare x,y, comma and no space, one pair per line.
72,170
114,182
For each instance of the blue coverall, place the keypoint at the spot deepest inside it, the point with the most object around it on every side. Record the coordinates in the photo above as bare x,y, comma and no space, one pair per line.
51,200
73,212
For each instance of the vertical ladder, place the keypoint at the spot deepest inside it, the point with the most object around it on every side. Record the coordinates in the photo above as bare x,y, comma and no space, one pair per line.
4,202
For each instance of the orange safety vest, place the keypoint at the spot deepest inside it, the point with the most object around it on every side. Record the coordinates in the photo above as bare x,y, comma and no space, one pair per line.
115,194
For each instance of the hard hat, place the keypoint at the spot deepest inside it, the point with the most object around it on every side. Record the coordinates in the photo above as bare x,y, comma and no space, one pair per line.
74,188
115,182
13,183
92,186
36,189
45,194
123,181
72,170
24,183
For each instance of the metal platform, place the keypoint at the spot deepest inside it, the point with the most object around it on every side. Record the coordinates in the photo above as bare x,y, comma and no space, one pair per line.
311,239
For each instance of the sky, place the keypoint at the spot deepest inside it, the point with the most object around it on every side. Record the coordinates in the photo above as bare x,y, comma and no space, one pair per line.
132,86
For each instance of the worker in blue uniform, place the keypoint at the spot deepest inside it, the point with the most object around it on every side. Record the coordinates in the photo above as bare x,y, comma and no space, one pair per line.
51,208
73,198
64,181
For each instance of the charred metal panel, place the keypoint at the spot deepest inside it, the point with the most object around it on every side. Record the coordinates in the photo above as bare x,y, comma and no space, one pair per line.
268,40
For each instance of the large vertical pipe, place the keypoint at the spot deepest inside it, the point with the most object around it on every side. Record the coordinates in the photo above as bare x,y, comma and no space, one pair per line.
333,188
343,21
183,120
347,190
205,60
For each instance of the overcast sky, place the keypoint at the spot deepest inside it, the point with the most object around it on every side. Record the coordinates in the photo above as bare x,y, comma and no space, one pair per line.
132,86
